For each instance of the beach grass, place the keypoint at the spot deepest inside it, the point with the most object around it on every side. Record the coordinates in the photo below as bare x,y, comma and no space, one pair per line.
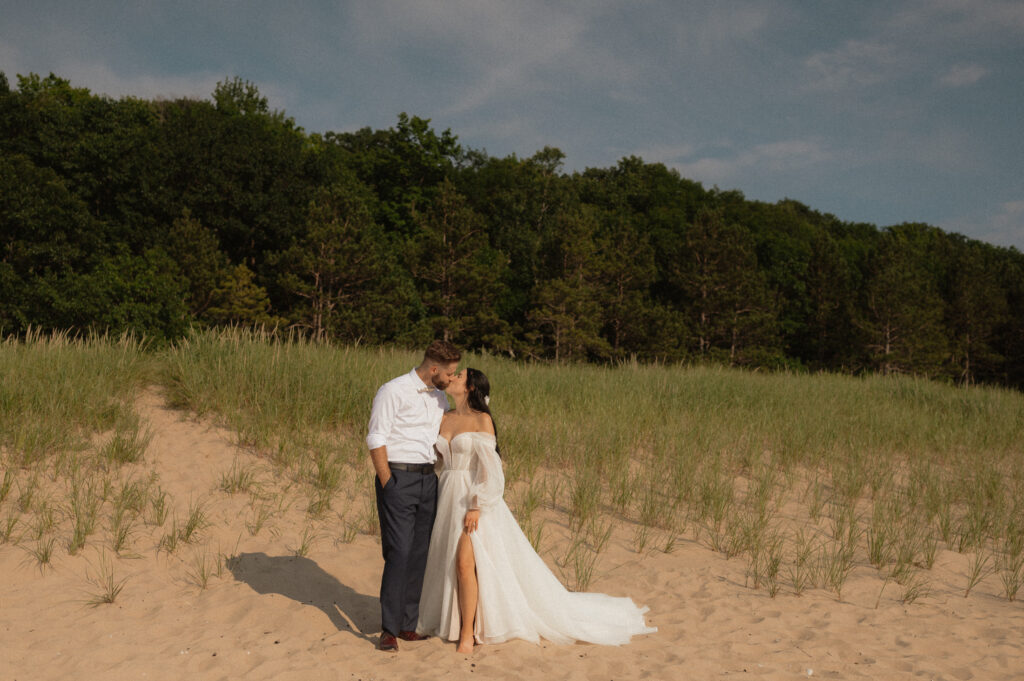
803,476
59,391
105,584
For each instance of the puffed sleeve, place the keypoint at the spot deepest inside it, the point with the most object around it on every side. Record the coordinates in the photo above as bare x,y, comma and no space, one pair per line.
488,484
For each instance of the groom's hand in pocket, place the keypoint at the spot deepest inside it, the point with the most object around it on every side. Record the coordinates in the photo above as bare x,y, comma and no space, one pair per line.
472,521
379,457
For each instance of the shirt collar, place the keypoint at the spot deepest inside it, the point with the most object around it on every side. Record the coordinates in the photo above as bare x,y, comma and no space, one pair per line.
418,382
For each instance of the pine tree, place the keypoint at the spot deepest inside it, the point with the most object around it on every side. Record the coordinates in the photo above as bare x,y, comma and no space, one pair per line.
341,273
903,320
239,300
565,317
977,309
731,309
197,251
457,273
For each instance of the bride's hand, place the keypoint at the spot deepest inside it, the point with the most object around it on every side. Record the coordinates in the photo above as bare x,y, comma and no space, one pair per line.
472,520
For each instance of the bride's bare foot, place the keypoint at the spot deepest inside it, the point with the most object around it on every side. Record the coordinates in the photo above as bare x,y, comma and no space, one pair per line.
465,645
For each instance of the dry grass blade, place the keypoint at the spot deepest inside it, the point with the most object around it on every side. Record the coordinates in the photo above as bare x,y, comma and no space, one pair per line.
7,528
261,513
6,484
195,522
977,570
307,540
108,587
201,569
42,552
1011,575
237,479
129,442
122,527
915,586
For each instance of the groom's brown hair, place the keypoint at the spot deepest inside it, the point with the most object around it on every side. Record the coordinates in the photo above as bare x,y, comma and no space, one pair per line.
442,352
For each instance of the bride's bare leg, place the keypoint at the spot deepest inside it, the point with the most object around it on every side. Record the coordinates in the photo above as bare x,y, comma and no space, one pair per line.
465,568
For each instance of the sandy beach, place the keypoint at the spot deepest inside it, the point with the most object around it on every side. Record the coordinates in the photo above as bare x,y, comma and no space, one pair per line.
270,614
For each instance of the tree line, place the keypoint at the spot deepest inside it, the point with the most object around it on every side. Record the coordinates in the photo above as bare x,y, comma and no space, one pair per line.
155,216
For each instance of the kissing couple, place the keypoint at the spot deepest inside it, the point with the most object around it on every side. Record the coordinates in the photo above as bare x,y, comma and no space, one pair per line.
456,563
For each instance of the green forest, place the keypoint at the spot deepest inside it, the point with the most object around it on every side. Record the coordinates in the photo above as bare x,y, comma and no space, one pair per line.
154,217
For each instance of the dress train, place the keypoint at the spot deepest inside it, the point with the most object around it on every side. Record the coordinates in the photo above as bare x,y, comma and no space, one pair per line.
519,597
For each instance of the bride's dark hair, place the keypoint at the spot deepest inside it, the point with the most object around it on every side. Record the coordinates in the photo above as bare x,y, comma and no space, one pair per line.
478,391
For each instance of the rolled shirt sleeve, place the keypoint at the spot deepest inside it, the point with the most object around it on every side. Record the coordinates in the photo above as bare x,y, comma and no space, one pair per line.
382,417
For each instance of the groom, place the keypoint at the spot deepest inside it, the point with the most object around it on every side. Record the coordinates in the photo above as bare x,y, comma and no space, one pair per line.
404,424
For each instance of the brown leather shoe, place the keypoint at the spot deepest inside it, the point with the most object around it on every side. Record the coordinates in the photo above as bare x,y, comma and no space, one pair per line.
388,642
412,636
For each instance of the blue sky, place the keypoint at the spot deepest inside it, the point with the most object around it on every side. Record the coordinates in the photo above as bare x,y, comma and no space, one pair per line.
882,112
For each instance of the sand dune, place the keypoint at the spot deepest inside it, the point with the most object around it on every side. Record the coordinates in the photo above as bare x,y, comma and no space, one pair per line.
272,615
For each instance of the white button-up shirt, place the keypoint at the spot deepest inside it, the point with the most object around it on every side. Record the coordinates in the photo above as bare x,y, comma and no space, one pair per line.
406,419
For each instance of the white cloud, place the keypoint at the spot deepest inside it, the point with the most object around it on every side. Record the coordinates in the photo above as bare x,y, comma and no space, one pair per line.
722,25
1005,227
963,74
101,79
940,147
855,64
664,154
712,170
10,59
919,38
962,19
501,50
786,155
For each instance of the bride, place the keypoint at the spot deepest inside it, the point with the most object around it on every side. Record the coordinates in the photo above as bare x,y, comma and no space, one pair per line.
484,583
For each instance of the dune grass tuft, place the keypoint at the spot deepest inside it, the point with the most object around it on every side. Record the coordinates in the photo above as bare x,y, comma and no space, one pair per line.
107,586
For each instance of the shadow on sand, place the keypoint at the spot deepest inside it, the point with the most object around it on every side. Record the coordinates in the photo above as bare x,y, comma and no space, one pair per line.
302,580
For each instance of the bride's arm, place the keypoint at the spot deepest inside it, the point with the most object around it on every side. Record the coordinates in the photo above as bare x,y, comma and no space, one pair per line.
488,486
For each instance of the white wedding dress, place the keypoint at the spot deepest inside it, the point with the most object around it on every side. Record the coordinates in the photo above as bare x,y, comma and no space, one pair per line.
519,595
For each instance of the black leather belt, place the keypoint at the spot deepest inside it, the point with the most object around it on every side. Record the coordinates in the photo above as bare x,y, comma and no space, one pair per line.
412,467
